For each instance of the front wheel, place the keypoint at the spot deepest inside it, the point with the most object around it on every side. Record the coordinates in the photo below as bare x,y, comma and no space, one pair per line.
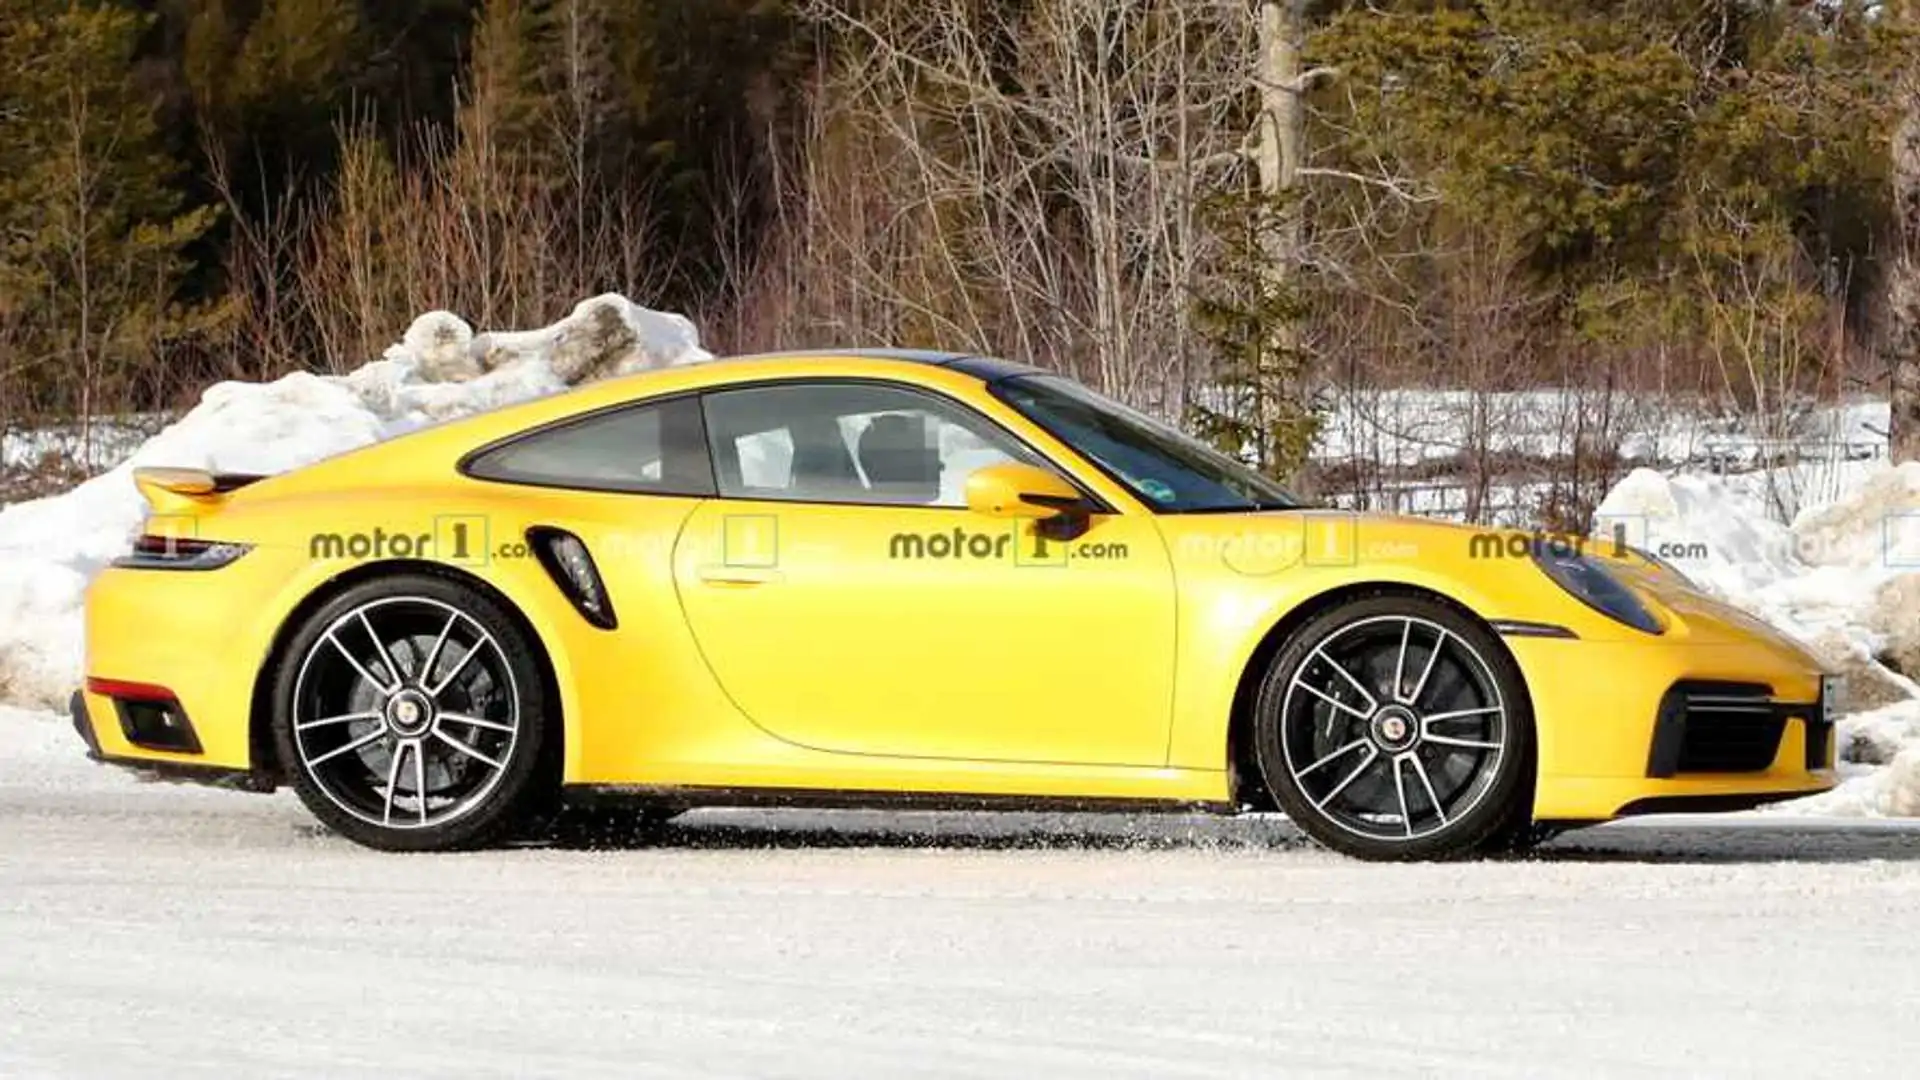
409,714
1395,727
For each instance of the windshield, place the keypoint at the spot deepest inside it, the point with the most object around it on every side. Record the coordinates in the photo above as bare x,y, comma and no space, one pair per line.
1172,472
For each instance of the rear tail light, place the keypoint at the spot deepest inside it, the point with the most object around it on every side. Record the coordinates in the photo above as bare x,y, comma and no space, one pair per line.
151,552
570,565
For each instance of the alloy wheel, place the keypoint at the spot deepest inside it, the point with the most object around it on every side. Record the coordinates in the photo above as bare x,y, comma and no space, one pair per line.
405,713
1393,727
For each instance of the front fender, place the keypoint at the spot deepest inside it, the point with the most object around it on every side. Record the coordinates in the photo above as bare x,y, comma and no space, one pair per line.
1241,576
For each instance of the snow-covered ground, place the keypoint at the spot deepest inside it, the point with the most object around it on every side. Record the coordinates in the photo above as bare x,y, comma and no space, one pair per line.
1408,427
152,929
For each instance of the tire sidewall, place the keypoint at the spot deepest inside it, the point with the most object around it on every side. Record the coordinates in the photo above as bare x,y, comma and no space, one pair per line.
483,822
1508,799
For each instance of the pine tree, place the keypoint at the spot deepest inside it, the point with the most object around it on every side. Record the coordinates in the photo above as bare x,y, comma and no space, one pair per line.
93,229
1261,403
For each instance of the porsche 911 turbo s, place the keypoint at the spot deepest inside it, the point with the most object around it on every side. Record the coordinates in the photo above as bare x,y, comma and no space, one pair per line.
869,578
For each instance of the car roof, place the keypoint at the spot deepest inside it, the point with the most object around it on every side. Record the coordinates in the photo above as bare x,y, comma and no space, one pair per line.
984,368
937,357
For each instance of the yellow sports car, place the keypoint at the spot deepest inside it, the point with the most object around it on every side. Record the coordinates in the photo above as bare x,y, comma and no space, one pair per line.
913,578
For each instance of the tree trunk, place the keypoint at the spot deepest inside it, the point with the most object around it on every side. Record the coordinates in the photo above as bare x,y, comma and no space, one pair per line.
1901,344
1278,150
1277,154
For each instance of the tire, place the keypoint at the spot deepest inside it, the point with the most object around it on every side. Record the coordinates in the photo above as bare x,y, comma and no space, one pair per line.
1396,728
407,684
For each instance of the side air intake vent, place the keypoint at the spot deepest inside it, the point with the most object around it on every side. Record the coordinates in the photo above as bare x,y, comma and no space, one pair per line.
567,561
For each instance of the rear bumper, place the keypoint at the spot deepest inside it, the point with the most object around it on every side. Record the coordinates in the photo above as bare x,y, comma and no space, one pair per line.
180,769
197,636
1610,742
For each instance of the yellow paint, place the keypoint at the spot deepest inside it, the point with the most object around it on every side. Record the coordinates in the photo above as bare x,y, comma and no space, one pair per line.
777,644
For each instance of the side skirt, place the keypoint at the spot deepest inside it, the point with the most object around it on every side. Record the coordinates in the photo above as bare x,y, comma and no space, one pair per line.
689,798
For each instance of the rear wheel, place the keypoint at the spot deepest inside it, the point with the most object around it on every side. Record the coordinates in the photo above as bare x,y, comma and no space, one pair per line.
1397,728
409,714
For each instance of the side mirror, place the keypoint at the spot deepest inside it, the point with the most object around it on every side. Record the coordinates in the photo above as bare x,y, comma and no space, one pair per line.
1013,490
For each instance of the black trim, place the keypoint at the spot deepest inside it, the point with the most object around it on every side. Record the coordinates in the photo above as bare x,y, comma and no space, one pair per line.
193,772
197,563
984,368
1094,503
1523,628
1819,731
1061,503
224,483
689,797
1819,743
1706,804
146,724
991,369
928,357
541,539
1669,732
77,712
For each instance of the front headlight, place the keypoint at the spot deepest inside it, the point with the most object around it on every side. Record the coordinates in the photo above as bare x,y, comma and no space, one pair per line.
1593,585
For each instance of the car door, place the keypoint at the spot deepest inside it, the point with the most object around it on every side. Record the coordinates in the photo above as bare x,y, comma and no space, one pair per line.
847,600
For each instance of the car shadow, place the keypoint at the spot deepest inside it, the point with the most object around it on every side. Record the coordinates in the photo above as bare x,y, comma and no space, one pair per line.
604,828
1679,840
1743,838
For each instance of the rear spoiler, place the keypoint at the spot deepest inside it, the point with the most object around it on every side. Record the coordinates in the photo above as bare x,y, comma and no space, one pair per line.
169,489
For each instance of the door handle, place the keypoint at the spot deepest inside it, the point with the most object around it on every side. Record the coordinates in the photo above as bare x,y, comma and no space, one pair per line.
739,575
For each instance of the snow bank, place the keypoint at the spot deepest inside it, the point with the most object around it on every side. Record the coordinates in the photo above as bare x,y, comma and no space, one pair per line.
1878,526
440,369
1743,549
1822,577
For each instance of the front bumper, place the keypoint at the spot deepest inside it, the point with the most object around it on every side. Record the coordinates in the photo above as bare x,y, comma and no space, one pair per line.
1616,735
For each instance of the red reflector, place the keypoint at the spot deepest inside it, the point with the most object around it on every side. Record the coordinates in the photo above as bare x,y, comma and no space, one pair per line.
128,691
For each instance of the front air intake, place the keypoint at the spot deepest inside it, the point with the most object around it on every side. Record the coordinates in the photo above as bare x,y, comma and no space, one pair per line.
1716,727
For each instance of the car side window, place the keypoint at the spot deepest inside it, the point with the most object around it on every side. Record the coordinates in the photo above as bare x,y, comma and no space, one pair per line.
849,442
650,449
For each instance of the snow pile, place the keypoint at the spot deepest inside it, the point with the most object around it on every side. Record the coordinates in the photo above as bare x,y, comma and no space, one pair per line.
1839,570
1878,526
1843,578
1743,548
441,369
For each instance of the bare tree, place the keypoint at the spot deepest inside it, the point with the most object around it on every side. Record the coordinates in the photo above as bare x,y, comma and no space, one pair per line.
1037,175
1901,344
